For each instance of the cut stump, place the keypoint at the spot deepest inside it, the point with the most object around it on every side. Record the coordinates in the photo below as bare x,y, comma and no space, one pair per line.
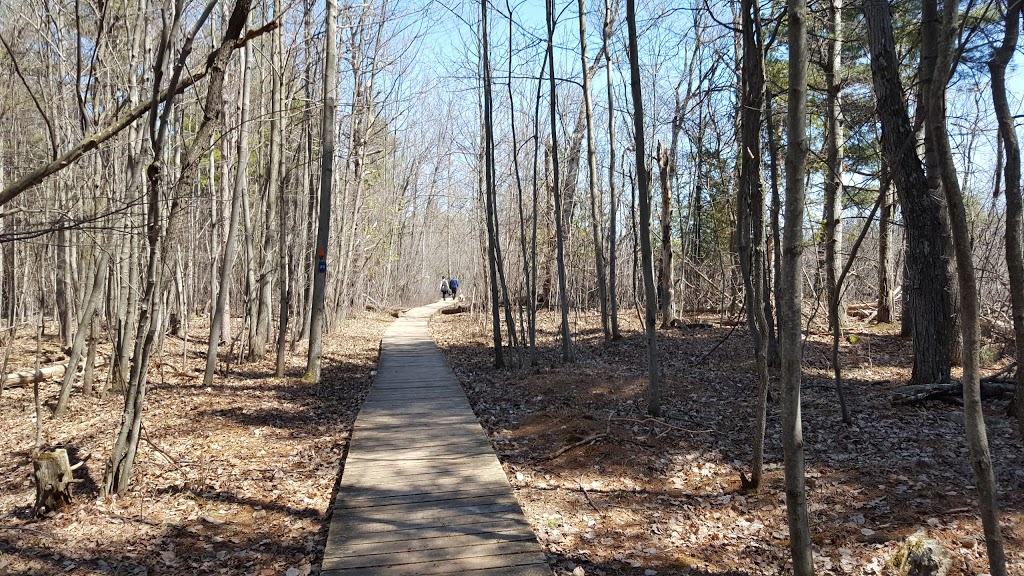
54,481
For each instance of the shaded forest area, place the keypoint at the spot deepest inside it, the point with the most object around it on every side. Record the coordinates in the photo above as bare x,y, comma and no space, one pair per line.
217,189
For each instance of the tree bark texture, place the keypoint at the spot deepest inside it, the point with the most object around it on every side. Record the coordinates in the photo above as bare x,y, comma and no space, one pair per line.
643,177
1012,188
927,282
560,227
939,41
791,290
596,210
319,260
668,298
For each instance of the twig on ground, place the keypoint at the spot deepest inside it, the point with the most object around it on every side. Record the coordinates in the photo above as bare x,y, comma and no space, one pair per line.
145,436
587,494
656,421
588,440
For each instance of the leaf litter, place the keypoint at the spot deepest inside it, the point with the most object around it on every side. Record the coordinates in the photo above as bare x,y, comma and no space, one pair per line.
235,478
625,493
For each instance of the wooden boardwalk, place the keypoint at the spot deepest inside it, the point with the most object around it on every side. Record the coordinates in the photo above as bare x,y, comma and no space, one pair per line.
422,491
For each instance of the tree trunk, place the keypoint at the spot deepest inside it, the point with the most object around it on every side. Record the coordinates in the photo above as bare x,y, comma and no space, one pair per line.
791,290
644,192
750,220
834,166
927,283
596,211
1012,182
939,41
668,298
117,473
613,298
228,257
490,195
560,231
277,146
91,305
886,275
319,261
62,289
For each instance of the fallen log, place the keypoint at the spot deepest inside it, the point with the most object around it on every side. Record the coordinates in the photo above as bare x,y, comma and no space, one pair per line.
458,309
26,377
915,393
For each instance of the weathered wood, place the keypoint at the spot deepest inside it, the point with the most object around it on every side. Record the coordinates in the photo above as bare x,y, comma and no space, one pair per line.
54,481
422,491
26,377
946,391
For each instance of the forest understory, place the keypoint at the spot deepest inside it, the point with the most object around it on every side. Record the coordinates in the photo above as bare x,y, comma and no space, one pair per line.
611,491
237,478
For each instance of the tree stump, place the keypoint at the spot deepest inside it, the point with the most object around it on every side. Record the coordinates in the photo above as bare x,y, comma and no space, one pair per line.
54,480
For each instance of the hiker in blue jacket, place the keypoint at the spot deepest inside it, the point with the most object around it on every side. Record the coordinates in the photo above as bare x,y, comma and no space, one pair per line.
454,285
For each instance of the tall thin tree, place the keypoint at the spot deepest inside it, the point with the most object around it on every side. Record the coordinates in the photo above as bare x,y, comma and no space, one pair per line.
791,289
643,178
323,234
560,232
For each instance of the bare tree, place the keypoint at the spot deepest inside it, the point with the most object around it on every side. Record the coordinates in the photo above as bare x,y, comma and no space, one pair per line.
596,211
937,35
560,232
1011,178
791,290
319,261
228,258
643,178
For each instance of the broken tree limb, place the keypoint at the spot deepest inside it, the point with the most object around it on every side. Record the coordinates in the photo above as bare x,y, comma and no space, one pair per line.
946,391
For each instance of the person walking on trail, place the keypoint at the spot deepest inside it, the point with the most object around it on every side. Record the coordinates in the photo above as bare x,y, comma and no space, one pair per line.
454,285
446,289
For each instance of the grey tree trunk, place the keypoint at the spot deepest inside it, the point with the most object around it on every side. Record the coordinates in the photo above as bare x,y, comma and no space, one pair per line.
937,37
886,274
668,291
118,469
834,166
228,258
1012,182
644,192
791,290
613,299
834,193
560,232
63,288
277,146
490,195
596,210
319,261
91,306
750,221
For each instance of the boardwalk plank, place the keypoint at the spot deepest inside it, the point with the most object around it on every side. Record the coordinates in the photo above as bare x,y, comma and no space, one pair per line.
422,491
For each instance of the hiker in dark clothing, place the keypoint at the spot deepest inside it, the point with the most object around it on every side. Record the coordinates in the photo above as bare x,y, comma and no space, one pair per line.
446,289
454,285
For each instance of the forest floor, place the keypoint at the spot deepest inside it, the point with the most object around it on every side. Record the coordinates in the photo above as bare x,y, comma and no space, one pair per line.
237,478
611,491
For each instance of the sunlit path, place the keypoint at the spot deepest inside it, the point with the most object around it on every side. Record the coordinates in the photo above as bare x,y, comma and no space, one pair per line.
422,491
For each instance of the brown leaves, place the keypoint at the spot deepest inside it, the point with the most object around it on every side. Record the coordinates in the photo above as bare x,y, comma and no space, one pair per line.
667,489
257,458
